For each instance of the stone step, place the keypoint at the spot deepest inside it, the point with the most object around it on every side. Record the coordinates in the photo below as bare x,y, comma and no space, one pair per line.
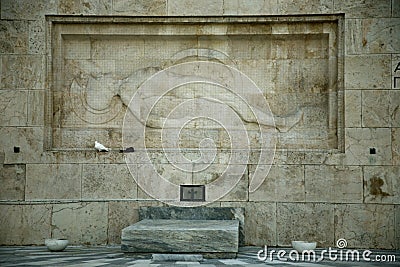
181,236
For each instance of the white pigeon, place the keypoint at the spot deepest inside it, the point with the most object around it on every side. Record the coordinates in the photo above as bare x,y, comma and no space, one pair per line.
100,147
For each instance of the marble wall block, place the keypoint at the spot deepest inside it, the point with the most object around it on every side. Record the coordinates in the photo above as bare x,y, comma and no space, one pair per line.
28,139
36,106
192,7
305,7
352,108
305,221
397,225
364,9
375,108
255,7
394,109
382,184
24,224
120,215
82,223
240,191
395,71
65,181
90,7
260,222
13,37
22,72
372,36
368,72
333,184
283,183
396,146
13,107
142,7
37,38
108,181
27,10
12,180
395,8
360,140
365,225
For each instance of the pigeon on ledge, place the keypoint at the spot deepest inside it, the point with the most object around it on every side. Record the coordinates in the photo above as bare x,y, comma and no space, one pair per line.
100,147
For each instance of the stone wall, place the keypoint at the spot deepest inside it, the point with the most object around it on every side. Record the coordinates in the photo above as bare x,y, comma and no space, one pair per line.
336,170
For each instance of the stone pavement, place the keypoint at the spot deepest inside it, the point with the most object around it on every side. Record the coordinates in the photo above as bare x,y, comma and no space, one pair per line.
112,256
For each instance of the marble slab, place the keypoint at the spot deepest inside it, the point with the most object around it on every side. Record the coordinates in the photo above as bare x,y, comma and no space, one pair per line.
181,236
196,213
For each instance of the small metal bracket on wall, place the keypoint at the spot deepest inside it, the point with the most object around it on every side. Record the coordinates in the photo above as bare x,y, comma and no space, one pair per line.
193,192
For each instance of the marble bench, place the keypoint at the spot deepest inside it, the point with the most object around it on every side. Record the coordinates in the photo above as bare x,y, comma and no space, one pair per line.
207,237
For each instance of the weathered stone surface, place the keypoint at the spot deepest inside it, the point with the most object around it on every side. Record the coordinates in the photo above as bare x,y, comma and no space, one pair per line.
368,72
304,7
22,72
360,140
381,184
13,106
240,191
181,236
255,7
120,215
352,112
395,71
394,109
260,222
372,36
364,9
92,7
13,37
35,103
365,226
192,7
28,139
197,213
334,184
142,7
395,9
65,180
283,183
397,226
27,10
305,221
37,38
24,224
108,181
376,108
396,146
12,179
81,223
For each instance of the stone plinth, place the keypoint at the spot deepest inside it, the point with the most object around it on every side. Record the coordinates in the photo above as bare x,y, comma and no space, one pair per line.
181,236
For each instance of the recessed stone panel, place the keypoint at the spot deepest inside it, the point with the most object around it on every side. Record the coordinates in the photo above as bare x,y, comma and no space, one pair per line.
98,66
